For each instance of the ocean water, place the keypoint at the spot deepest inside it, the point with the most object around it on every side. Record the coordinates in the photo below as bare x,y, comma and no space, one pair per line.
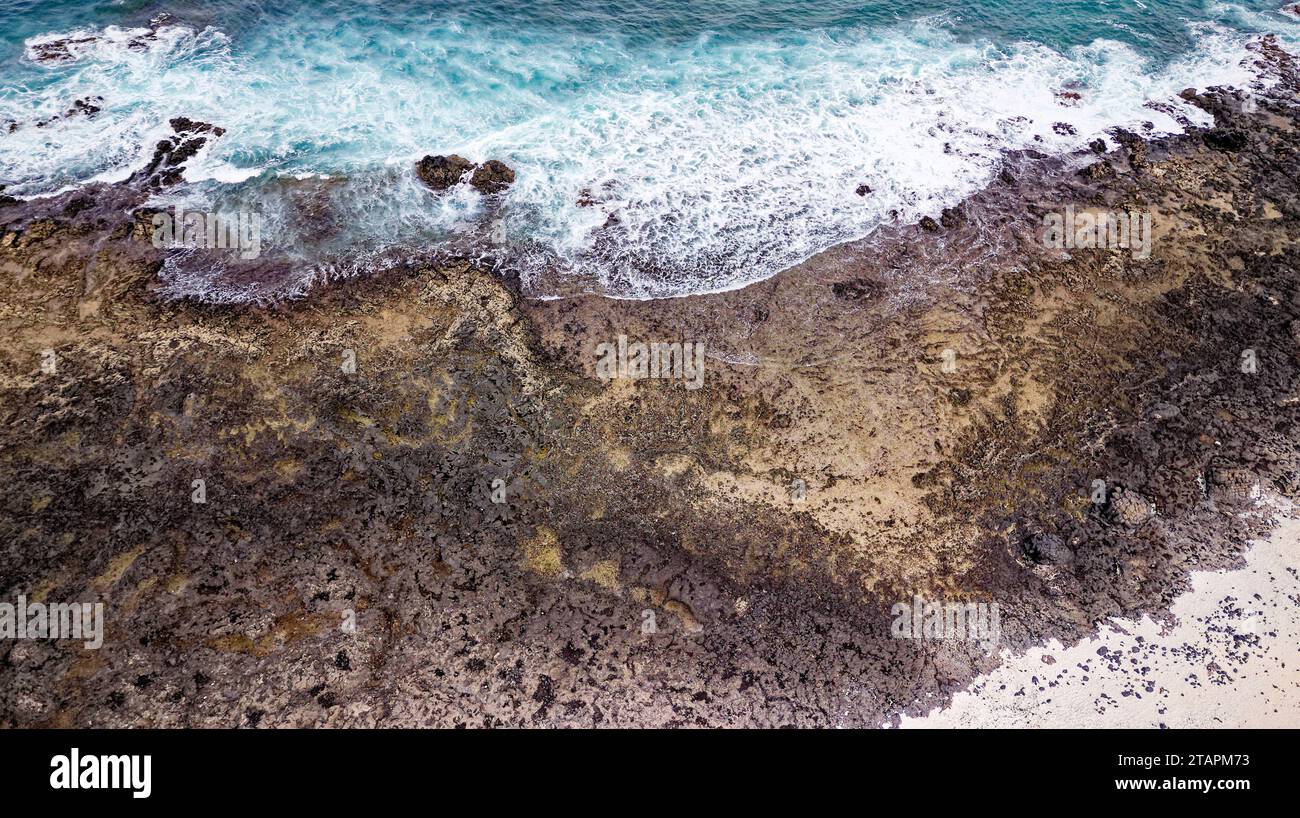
661,148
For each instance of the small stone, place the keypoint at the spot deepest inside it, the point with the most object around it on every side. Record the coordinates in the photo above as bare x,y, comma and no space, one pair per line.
929,224
863,190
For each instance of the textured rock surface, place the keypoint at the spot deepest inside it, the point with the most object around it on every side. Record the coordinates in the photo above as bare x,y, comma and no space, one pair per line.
518,543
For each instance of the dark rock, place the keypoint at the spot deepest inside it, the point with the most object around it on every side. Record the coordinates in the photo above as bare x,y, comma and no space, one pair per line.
184,125
1098,171
929,224
441,172
492,176
1134,144
166,168
1098,145
1226,140
1065,129
1007,178
1048,549
6,200
1188,94
1068,97
863,190
56,51
858,289
86,106
952,217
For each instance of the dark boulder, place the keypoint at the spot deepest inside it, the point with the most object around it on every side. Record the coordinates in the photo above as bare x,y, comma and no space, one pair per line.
441,172
166,168
492,176
863,190
1226,140
929,224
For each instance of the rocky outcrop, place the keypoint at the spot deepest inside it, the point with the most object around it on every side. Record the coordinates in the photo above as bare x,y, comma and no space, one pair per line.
442,172
426,459
167,167
492,176
70,49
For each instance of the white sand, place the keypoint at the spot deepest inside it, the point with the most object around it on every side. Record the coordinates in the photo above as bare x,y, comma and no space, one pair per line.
1231,659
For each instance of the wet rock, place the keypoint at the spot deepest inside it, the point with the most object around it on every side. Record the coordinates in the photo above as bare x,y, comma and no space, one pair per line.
88,107
441,172
863,190
1098,145
6,200
1226,140
928,224
58,51
1068,97
1098,171
1134,145
1007,178
952,217
1188,94
1064,129
1130,508
1048,549
166,168
492,176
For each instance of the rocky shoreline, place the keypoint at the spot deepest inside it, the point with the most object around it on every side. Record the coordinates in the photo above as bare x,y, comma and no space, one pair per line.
430,456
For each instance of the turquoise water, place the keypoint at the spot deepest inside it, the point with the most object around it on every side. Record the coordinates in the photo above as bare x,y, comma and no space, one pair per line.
720,141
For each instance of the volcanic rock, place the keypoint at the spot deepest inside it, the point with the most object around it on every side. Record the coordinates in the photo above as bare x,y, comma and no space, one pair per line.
441,172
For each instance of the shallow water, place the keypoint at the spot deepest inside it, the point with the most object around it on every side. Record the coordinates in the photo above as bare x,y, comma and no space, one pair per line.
713,143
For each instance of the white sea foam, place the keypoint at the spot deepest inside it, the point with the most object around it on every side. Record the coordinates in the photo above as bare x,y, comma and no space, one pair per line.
654,170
